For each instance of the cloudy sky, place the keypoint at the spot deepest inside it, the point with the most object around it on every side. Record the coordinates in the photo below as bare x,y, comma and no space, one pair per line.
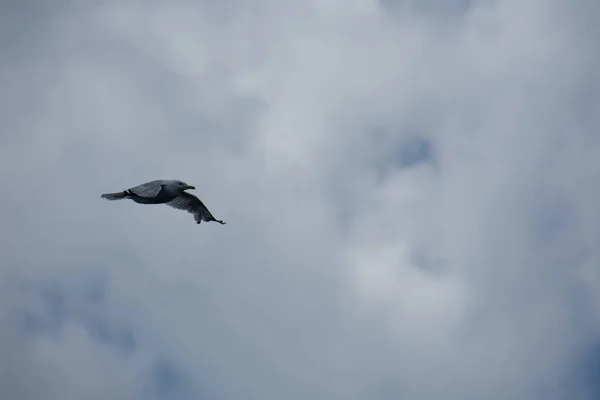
410,186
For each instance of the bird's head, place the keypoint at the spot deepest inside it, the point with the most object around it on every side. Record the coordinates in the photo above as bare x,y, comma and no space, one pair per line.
181,186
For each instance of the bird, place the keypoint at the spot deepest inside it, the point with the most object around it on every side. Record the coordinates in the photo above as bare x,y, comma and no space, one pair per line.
166,191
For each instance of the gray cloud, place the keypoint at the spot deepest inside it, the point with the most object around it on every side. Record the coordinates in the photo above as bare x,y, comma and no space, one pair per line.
349,268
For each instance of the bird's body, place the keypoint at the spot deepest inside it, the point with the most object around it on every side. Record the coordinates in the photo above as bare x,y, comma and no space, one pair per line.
169,192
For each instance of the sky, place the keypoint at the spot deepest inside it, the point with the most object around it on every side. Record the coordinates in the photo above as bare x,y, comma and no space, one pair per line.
410,191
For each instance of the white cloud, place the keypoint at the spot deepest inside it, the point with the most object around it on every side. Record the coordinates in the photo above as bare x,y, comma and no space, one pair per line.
341,273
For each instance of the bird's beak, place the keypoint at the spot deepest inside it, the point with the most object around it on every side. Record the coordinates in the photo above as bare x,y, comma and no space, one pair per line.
189,187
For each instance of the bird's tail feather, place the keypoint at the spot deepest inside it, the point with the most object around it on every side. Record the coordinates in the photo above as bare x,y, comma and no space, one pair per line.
114,196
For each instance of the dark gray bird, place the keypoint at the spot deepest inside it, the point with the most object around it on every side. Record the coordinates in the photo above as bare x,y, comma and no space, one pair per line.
170,192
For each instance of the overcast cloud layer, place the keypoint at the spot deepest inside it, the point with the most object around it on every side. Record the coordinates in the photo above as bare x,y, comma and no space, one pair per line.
411,191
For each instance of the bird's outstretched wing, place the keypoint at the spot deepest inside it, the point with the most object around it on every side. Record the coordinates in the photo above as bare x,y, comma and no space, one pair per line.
148,189
193,205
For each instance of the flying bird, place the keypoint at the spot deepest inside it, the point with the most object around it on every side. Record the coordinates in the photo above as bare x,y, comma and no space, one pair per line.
170,192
